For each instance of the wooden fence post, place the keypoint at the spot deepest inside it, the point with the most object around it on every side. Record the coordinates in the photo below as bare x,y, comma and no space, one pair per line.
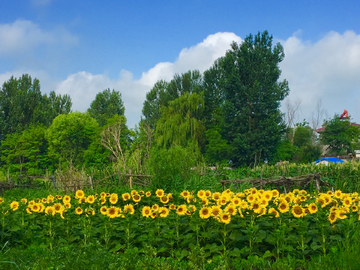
91,183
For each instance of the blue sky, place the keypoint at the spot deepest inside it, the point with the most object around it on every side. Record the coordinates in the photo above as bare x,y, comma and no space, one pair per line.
83,47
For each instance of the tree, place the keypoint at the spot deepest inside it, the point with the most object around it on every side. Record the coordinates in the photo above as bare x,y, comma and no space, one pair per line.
106,104
163,92
339,134
253,123
69,136
26,152
22,105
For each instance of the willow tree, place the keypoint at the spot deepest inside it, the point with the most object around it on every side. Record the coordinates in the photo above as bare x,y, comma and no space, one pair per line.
178,136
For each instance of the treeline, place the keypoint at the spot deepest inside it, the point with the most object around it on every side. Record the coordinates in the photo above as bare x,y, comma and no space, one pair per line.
229,115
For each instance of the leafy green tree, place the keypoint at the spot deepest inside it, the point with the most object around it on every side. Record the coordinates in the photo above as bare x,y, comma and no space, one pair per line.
22,105
106,104
26,152
253,123
339,135
303,135
69,136
163,92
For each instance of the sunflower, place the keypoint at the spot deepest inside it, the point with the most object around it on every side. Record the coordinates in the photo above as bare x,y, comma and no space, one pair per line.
103,194
58,208
275,193
148,194
250,198
111,212
207,193
347,201
216,211
185,194
172,206
113,198
89,212
32,202
153,214
231,209
102,200
333,216
35,207
79,194
283,207
338,194
66,199
164,212
159,193
354,208
297,211
103,210
67,205
181,210
125,196
201,194
78,210
267,195
155,207
223,200
273,212
128,208
49,210
205,212
204,201
312,208
28,210
225,217
164,199
253,191
136,198
24,200
216,196
14,205
330,193
133,192
192,208
236,201
90,199
146,211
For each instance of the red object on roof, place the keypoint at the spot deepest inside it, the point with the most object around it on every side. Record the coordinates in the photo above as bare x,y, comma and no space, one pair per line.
322,128
344,114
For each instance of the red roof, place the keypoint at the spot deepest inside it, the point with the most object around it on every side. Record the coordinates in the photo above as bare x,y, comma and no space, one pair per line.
322,128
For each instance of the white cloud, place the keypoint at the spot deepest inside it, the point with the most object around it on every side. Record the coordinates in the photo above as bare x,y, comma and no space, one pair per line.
328,70
83,86
23,36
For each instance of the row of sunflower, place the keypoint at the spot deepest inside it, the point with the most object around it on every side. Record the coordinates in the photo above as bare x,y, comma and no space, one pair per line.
209,217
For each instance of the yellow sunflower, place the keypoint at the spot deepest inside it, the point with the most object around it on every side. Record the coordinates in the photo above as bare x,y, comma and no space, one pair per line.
205,212
225,217
133,192
114,198
49,210
216,196
78,210
155,207
90,199
164,199
283,207
14,205
273,212
146,211
103,210
66,199
102,200
159,193
164,212
24,200
128,208
216,211
148,194
112,212
79,194
136,198
207,193
172,206
201,194
125,196
333,216
231,209
297,211
58,208
312,208
181,210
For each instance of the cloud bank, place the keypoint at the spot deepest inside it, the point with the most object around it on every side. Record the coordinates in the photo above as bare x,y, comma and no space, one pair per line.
327,69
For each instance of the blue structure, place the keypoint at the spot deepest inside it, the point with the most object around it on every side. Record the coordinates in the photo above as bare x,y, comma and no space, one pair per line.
330,159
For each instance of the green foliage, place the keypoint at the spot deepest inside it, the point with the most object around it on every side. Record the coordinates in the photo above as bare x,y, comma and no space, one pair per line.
69,136
22,105
216,150
26,152
339,134
253,124
106,104
284,151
